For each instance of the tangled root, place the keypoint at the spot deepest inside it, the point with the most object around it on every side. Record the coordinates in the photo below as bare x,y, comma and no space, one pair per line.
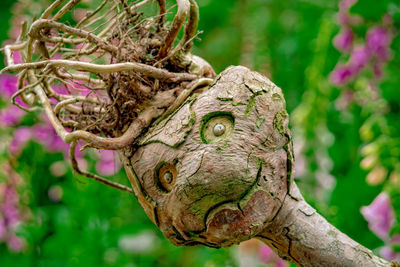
104,79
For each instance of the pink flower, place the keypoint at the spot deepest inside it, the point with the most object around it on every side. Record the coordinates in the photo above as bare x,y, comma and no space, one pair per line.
266,253
395,240
108,164
344,17
10,215
359,59
60,89
42,133
47,136
344,40
268,256
16,24
387,251
106,155
79,13
378,42
344,100
341,75
377,67
345,5
374,53
11,116
82,163
15,244
57,56
380,215
11,212
17,57
79,88
21,136
8,85
106,168
3,230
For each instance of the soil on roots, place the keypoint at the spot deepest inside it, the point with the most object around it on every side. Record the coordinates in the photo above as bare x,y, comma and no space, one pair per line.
127,93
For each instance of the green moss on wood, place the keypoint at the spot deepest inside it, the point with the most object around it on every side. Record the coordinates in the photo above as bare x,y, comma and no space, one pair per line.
277,97
252,102
225,99
238,104
260,120
279,120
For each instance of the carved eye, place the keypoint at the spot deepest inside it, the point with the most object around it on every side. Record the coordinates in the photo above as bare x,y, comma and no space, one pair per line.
165,176
219,129
216,126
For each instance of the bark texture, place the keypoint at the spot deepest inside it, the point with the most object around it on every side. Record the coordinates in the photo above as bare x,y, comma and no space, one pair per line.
304,237
218,171
216,188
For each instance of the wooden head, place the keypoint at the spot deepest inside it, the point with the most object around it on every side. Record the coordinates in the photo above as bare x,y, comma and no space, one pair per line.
216,171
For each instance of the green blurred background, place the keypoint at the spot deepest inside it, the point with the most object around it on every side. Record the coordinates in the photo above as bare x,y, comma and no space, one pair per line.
291,43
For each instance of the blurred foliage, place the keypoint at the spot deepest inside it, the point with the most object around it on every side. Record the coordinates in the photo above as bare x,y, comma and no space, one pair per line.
291,42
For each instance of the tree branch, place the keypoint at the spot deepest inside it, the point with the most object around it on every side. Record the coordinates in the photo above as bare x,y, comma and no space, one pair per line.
299,234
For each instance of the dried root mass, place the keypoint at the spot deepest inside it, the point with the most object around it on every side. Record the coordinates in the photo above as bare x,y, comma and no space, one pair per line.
104,77
100,74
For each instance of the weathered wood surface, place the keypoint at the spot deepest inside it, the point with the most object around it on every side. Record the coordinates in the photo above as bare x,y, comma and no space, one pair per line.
218,171
299,234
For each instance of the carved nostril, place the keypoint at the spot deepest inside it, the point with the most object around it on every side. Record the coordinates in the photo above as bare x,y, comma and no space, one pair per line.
168,177
165,176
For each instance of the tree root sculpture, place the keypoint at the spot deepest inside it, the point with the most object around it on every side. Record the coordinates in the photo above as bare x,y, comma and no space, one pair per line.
210,159
219,171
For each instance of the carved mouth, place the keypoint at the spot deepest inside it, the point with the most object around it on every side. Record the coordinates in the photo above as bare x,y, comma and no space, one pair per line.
200,237
236,201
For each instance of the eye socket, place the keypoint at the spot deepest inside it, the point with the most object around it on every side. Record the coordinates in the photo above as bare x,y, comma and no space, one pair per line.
216,126
165,176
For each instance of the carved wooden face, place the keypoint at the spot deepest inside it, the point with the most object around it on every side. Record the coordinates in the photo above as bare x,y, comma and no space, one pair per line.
217,169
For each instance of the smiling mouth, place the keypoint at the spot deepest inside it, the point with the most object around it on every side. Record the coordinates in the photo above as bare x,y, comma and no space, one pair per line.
199,237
